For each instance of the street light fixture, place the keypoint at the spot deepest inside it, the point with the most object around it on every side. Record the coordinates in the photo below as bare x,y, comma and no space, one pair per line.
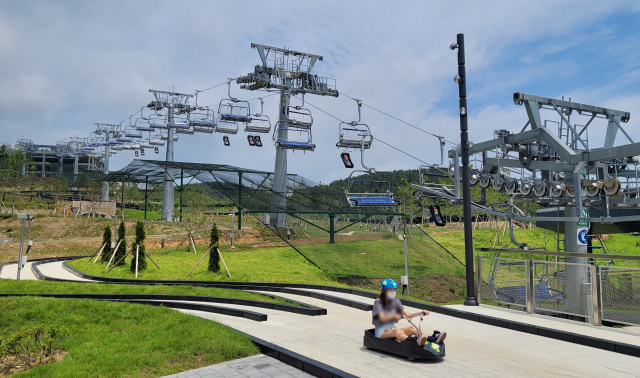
471,299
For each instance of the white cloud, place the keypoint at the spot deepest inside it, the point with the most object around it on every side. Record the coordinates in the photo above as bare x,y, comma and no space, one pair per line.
67,65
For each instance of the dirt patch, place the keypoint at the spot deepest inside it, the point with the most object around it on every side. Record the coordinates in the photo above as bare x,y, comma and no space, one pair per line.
58,355
434,288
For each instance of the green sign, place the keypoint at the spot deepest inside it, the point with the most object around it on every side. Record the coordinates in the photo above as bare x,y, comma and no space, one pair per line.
585,214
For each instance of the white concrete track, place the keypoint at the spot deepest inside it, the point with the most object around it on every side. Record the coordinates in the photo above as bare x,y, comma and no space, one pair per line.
473,349
10,271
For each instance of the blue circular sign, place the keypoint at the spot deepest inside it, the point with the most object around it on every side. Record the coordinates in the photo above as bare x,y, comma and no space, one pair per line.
582,236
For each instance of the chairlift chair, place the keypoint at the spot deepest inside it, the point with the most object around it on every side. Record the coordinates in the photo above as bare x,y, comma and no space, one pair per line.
156,140
259,123
369,199
165,136
189,131
142,124
232,109
225,126
202,121
293,143
132,132
354,136
157,123
179,123
235,111
299,117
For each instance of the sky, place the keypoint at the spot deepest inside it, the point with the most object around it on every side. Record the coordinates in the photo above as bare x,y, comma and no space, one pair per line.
66,65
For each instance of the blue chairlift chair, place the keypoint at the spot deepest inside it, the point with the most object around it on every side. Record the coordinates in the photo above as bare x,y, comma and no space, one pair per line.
295,139
383,198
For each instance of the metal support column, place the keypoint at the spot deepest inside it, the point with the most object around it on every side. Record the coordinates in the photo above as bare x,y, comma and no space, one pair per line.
21,248
105,184
530,285
406,260
279,199
466,185
239,201
167,196
332,228
146,195
478,278
60,164
122,198
181,190
577,276
75,172
596,295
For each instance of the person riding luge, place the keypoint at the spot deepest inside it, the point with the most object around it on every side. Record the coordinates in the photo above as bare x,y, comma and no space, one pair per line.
388,310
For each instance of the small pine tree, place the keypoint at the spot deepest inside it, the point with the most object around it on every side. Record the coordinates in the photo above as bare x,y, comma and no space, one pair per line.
139,243
214,259
122,248
106,240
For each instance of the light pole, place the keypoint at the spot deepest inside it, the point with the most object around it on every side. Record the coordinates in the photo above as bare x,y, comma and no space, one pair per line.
25,217
231,216
461,79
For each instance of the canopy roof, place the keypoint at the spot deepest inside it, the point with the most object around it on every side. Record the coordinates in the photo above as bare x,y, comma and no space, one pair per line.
247,188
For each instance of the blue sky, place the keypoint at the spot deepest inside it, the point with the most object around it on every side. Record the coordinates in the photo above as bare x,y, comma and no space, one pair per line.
66,65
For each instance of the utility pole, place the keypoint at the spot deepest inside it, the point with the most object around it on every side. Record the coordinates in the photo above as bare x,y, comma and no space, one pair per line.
172,101
461,79
292,73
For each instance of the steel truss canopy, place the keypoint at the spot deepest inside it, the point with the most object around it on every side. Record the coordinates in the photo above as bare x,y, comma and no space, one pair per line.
281,65
248,189
553,163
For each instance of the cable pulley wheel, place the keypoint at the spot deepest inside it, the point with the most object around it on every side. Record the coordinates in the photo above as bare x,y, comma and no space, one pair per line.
525,188
511,187
592,191
555,192
485,181
498,184
540,189
613,189
571,191
474,177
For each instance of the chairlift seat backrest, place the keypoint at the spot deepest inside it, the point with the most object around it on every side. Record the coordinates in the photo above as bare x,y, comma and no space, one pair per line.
299,118
258,124
188,131
203,129
353,136
226,127
229,110
370,201
157,124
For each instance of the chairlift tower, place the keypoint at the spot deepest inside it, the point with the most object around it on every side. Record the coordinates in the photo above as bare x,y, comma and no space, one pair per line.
173,102
291,73
107,130
587,189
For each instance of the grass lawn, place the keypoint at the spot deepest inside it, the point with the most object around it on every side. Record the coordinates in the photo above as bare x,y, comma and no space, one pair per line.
53,287
139,214
281,264
124,340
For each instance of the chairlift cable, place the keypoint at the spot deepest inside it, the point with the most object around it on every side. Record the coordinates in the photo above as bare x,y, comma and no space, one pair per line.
395,148
226,82
398,119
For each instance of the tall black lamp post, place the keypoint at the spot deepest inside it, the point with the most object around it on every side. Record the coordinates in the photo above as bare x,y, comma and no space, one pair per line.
466,185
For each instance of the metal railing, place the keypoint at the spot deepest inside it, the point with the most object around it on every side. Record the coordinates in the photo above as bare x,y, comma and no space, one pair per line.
567,283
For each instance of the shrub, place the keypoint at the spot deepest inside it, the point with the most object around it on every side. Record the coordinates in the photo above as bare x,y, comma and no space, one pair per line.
122,248
139,243
214,258
31,346
106,239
